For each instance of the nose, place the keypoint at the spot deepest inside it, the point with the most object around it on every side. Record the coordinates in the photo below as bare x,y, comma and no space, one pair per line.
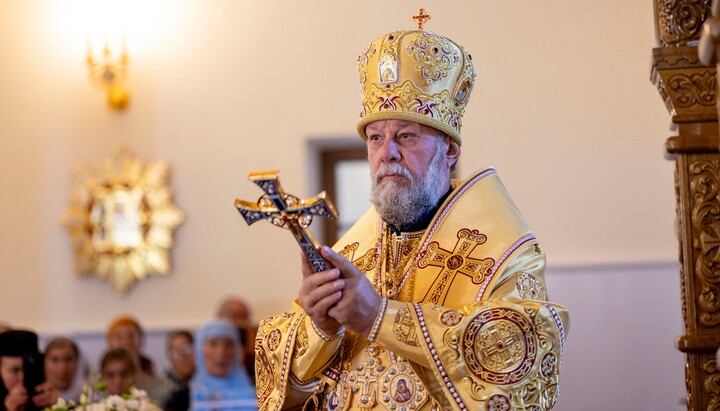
389,151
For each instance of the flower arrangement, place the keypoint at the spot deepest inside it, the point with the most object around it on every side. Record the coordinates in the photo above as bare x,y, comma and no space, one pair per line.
133,400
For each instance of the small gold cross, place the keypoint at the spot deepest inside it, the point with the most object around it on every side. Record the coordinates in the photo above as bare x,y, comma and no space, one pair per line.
421,18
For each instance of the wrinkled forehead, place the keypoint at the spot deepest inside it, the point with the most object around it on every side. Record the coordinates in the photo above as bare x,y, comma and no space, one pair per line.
395,125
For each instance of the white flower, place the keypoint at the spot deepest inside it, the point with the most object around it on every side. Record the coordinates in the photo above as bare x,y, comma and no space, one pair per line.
60,402
139,394
137,400
132,404
96,406
114,401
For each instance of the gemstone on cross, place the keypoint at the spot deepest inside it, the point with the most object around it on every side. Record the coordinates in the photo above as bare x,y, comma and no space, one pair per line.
287,211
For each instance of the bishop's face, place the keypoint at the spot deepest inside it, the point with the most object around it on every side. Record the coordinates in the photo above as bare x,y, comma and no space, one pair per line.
410,168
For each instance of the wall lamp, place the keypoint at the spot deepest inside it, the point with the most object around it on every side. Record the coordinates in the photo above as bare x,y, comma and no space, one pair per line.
110,74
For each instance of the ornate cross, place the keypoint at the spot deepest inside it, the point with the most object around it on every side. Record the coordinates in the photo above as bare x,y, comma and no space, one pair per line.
454,262
287,211
421,18
368,393
499,347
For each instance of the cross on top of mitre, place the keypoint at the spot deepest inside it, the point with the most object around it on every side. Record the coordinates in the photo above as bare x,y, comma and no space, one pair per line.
421,18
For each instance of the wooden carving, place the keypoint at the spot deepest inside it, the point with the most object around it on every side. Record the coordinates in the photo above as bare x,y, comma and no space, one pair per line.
680,22
688,86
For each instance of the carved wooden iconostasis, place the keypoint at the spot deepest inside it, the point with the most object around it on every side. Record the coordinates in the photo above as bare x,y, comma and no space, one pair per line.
689,89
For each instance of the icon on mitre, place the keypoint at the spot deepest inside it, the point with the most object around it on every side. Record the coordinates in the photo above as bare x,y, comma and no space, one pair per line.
388,68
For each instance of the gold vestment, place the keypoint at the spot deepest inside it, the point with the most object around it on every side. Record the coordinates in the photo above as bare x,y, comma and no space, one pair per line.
467,325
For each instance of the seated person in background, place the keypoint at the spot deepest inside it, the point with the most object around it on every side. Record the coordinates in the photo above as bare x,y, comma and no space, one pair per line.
117,370
15,344
125,332
179,350
180,354
62,368
220,382
235,310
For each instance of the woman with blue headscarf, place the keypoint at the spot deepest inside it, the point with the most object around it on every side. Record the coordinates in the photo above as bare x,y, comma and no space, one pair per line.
220,382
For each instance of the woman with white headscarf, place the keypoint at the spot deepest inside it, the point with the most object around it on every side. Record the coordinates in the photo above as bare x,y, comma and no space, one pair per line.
220,382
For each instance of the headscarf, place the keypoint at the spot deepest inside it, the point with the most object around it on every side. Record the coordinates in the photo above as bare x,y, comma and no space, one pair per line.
16,343
234,391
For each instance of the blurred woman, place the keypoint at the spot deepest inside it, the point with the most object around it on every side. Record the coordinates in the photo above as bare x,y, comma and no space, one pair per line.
62,368
117,370
179,350
125,332
220,382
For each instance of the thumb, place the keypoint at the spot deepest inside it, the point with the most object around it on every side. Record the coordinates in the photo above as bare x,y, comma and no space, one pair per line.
305,265
347,268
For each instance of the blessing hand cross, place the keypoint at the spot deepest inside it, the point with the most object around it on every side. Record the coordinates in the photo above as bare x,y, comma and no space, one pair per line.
287,211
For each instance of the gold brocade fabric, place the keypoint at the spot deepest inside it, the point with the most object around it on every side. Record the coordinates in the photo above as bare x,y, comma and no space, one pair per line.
417,76
468,324
400,249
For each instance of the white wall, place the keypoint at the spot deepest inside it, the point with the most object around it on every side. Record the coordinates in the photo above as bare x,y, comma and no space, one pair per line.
562,106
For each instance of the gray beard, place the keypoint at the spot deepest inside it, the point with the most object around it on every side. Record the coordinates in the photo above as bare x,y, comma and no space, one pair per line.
402,203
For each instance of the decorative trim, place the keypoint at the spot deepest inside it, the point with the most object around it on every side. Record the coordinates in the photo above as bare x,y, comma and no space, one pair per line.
331,373
561,330
378,321
324,336
501,261
436,358
285,359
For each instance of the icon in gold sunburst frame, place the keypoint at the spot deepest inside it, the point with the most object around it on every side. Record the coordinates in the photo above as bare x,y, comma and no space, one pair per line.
121,219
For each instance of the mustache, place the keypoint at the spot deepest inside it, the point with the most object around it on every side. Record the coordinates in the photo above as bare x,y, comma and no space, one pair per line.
392,168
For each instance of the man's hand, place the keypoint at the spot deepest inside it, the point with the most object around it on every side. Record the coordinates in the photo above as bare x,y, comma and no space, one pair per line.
17,398
319,292
360,303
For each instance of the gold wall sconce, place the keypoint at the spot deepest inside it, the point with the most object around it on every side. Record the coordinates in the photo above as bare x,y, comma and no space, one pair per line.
110,75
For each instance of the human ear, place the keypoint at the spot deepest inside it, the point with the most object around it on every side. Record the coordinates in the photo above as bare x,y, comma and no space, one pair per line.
453,151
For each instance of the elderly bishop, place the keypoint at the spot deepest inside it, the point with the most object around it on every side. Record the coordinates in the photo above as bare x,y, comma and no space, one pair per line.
435,299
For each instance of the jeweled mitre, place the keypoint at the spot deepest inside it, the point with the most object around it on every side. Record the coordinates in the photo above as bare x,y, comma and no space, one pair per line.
416,76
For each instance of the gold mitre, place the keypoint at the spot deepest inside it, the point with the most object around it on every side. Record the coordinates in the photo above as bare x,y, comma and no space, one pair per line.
417,76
